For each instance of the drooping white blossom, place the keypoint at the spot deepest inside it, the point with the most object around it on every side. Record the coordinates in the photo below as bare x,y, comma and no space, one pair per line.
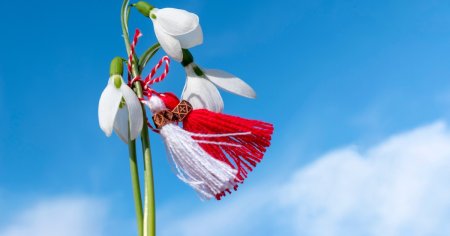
176,29
119,109
200,89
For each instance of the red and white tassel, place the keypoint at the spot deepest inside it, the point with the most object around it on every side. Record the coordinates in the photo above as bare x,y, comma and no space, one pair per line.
207,175
247,139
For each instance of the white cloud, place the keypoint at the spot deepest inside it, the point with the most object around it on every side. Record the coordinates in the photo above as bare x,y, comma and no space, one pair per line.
398,187
64,216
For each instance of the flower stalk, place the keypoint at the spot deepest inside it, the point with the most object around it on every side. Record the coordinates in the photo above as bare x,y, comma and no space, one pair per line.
148,225
136,186
149,199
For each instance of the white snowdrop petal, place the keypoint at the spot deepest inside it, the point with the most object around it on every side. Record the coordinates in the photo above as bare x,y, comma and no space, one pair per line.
170,44
121,124
191,39
135,111
107,108
176,22
201,93
230,83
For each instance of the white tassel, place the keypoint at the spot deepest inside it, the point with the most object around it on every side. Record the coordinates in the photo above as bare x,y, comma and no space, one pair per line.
191,163
194,166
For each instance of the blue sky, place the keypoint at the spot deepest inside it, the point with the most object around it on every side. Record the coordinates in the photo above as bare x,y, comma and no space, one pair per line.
333,76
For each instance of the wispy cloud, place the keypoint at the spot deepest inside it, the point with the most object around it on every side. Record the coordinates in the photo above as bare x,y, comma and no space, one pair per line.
398,187
68,216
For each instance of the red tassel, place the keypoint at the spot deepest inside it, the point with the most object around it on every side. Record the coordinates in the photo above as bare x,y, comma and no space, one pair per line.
243,158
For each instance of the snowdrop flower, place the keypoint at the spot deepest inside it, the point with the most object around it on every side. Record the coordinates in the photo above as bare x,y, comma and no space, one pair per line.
200,88
175,29
119,108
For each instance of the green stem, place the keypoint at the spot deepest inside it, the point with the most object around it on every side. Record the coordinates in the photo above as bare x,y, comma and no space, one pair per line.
149,199
125,12
136,186
149,221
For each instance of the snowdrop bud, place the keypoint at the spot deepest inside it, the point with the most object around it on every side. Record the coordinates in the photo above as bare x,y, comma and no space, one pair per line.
116,66
144,8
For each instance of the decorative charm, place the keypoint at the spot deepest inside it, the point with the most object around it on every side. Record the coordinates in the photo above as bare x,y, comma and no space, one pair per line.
238,142
176,115
192,164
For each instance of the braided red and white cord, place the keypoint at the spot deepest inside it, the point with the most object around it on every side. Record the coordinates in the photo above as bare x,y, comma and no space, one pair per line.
136,37
149,80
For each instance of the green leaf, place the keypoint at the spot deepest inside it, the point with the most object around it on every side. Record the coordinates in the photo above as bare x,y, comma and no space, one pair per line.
147,55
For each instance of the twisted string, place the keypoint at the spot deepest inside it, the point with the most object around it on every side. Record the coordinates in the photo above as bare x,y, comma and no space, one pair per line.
136,37
149,80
